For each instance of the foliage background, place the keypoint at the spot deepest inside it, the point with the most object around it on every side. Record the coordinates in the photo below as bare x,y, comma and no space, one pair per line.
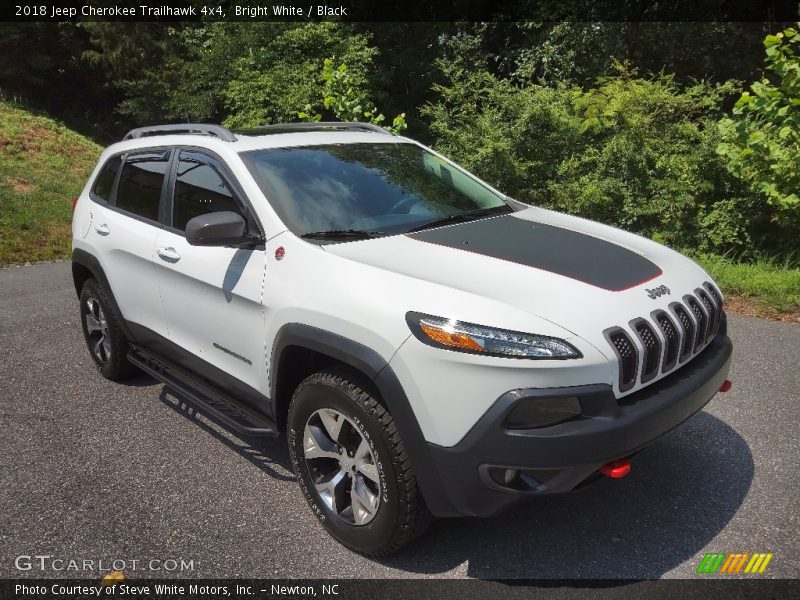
683,132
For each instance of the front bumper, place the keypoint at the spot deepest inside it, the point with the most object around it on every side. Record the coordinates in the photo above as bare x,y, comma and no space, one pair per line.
563,457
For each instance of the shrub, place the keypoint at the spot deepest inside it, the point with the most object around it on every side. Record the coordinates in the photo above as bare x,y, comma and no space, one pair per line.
761,141
347,101
633,152
271,81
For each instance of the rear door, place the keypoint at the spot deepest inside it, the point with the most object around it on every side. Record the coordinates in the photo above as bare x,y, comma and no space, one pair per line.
211,296
124,228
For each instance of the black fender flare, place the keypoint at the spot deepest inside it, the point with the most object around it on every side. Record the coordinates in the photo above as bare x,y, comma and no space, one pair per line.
90,262
374,366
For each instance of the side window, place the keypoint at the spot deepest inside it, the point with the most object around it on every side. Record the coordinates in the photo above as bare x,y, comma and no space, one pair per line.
200,188
105,179
139,190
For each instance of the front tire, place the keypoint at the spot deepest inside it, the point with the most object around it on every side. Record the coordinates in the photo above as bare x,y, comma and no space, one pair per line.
107,345
351,464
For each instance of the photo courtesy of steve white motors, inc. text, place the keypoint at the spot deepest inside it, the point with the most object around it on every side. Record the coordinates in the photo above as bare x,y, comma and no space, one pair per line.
308,11
171,589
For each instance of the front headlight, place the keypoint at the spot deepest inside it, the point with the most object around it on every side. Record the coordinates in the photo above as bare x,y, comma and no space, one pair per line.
478,339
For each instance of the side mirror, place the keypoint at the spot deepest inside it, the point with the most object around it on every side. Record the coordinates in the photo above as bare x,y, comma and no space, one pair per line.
224,228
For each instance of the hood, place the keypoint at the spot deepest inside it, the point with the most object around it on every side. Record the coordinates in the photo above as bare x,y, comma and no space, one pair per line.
578,274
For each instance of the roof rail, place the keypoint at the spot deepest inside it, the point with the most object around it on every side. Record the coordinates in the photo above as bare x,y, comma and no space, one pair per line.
318,126
218,131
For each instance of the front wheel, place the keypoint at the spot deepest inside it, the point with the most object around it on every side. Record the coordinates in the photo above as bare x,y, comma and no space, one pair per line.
352,466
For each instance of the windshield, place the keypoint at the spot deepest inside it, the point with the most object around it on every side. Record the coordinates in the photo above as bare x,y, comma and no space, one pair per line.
376,188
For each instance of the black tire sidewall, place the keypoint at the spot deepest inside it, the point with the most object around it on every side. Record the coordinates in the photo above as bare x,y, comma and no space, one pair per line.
379,532
117,364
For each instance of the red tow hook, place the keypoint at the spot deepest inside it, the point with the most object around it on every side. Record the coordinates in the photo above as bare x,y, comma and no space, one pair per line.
616,469
726,386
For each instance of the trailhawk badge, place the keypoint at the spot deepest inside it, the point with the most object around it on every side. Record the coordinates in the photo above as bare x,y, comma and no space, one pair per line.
657,291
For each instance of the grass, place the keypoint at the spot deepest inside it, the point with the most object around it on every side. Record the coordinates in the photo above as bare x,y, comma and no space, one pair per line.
762,287
43,166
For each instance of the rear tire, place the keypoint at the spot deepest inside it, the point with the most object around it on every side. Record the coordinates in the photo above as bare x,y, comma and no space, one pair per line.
107,345
351,464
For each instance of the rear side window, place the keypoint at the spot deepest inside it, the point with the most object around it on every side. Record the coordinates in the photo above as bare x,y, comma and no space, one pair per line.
200,188
139,190
105,180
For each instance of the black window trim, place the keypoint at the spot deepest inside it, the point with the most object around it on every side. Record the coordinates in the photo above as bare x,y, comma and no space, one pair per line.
113,193
112,203
168,187
218,164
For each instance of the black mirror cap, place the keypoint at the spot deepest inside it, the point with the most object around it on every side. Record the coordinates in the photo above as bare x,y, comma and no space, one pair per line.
224,228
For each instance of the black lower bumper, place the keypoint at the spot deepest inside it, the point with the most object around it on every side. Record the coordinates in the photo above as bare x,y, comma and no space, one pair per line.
563,457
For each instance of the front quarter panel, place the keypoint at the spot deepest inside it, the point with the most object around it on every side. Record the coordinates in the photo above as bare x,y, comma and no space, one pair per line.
450,391
447,390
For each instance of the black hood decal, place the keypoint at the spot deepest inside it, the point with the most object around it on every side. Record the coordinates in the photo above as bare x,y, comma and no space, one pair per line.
563,251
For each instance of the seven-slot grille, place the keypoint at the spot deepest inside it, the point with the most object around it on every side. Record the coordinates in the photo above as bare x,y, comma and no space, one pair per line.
628,358
652,348
687,329
700,318
672,338
669,339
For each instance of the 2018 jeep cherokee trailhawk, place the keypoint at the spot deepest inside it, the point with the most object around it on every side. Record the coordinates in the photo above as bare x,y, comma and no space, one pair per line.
429,345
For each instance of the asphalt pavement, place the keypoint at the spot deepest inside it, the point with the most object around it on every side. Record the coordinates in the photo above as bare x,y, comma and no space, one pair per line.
95,470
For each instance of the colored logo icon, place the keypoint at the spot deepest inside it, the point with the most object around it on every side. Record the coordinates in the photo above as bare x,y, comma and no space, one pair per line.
734,562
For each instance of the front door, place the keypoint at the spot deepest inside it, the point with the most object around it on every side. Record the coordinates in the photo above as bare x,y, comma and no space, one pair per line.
211,296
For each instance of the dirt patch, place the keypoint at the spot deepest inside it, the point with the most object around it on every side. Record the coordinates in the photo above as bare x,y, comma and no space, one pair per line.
19,185
56,234
37,138
742,305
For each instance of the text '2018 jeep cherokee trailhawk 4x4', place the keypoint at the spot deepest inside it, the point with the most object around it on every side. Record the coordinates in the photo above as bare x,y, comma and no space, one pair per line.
430,346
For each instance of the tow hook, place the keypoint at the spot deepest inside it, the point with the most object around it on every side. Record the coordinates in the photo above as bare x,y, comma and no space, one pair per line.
616,469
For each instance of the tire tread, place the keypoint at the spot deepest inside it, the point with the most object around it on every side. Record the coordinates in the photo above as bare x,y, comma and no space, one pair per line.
414,516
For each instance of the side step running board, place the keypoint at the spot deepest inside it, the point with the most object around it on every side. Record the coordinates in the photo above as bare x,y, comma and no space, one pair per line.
231,412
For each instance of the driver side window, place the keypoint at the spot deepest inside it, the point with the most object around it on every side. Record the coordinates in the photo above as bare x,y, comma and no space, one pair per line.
200,188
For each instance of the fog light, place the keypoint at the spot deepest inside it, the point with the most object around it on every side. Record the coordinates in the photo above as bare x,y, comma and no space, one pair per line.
531,413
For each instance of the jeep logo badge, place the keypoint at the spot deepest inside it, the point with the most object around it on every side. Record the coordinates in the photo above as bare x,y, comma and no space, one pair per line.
657,291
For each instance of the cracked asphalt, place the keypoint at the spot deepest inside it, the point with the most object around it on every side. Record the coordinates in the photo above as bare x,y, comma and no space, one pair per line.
91,469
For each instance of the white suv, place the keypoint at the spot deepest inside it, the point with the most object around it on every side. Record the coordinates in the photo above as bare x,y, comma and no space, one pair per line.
430,346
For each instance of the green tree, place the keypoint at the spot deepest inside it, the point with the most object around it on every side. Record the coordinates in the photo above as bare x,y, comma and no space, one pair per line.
281,73
761,141
41,67
133,56
348,101
633,152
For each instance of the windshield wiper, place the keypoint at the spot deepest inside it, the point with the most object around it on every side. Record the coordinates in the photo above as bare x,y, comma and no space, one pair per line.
470,215
341,234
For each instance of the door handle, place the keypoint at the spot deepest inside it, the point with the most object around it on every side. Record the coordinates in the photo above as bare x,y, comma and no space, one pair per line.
168,254
102,229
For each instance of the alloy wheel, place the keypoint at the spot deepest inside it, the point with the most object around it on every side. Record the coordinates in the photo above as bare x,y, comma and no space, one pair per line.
342,466
97,330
